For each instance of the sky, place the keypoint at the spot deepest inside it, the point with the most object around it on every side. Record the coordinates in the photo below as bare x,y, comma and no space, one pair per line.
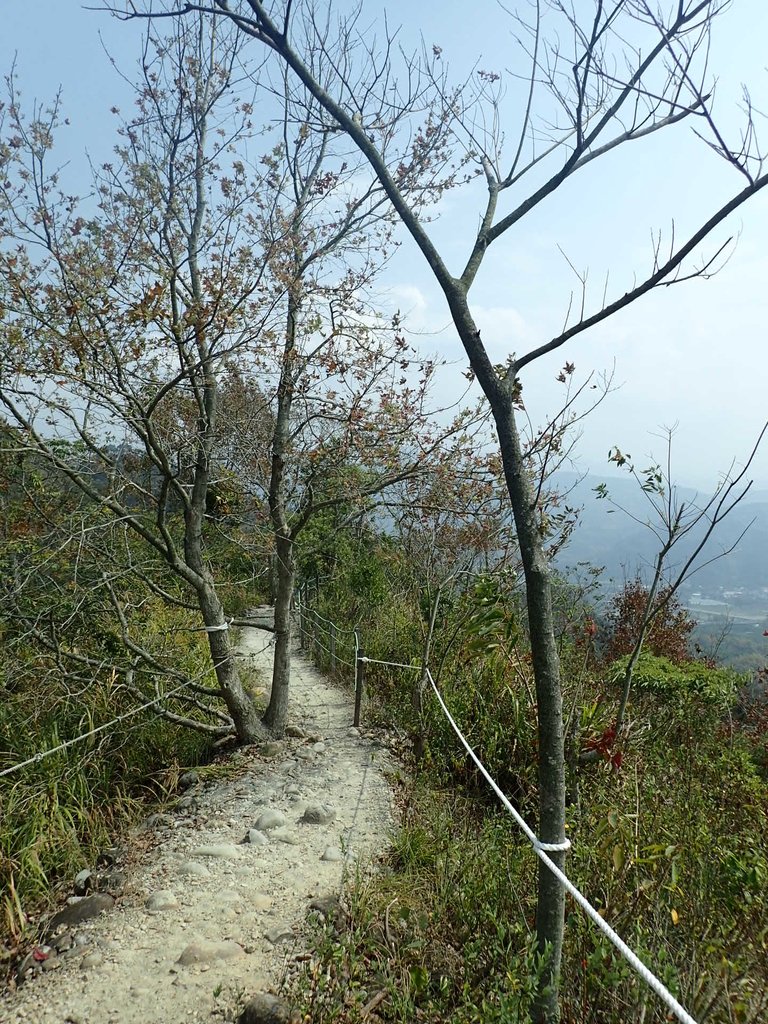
694,355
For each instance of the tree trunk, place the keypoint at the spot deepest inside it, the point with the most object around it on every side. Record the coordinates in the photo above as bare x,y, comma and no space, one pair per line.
277,711
550,909
248,725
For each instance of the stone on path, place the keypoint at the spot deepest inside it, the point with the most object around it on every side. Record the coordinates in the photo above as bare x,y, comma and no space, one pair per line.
318,814
270,819
295,731
260,901
83,910
332,854
162,900
202,951
255,838
187,780
283,835
264,1008
223,851
279,933
191,867
325,905
271,749
94,959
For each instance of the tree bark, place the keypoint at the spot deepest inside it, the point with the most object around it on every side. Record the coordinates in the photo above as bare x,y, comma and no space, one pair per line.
277,711
550,908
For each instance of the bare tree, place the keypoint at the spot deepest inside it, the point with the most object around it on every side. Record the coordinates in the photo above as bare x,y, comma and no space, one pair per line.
598,80
119,312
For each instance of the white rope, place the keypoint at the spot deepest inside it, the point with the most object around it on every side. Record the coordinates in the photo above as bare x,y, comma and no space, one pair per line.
41,754
542,850
390,664
216,629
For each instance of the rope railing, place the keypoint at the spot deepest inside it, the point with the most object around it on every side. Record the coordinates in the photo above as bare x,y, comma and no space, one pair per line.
42,754
542,850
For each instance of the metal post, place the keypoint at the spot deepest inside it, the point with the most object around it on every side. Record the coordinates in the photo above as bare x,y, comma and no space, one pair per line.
332,645
359,681
302,626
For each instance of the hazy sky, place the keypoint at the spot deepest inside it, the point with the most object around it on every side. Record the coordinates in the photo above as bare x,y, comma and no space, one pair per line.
695,354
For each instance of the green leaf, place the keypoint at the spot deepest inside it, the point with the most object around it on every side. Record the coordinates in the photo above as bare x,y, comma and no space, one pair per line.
618,857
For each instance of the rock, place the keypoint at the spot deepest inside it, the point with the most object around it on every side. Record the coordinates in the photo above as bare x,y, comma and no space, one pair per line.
304,754
327,906
332,854
162,900
282,835
260,901
292,790
314,737
264,1008
110,881
353,731
201,951
109,857
64,942
319,748
222,851
186,804
270,819
84,910
191,867
51,964
187,780
158,821
273,748
318,814
295,731
255,838
90,960
83,882
279,933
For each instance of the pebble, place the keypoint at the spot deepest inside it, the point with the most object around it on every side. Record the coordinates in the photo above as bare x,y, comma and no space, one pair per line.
295,732
279,933
90,960
332,854
319,748
255,837
264,1008
304,754
191,867
260,901
292,789
353,731
83,910
202,951
271,749
282,835
186,803
270,819
224,851
187,780
82,882
318,814
162,900
325,905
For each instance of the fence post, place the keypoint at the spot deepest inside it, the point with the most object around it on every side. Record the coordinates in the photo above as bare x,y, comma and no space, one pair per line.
332,645
302,626
359,680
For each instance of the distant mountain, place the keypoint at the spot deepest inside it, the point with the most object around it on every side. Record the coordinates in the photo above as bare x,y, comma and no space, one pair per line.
609,537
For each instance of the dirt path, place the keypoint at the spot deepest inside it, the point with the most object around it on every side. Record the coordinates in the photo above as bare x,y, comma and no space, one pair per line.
204,918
